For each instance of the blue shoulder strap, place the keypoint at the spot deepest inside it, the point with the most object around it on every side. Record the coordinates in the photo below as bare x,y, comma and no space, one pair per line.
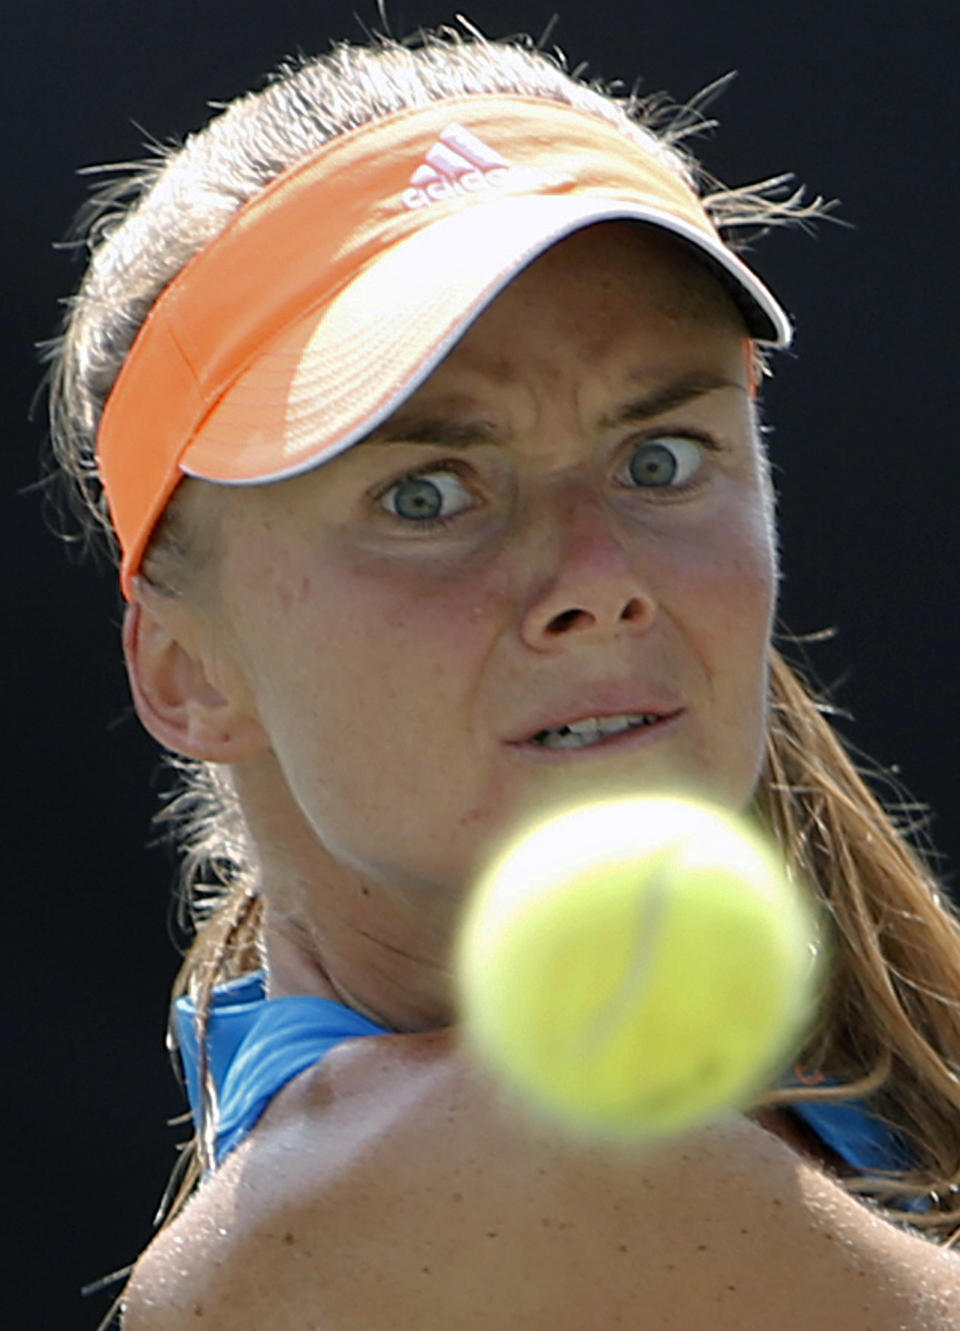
256,1045
857,1136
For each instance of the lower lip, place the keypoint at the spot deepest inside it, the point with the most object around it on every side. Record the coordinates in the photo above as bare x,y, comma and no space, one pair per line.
627,739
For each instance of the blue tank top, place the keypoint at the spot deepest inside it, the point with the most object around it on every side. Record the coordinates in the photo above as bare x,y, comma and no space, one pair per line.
255,1045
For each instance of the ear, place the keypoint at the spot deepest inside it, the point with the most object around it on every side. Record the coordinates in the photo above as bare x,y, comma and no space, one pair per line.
174,697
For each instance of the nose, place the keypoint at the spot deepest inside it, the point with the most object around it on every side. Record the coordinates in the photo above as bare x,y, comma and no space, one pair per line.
593,586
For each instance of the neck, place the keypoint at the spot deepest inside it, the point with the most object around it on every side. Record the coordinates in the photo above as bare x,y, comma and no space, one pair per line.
373,962
331,931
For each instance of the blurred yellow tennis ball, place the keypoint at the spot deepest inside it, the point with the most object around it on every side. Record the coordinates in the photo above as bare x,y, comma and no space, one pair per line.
637,966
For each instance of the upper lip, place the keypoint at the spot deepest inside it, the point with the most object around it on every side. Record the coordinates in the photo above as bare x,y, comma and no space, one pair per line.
614,702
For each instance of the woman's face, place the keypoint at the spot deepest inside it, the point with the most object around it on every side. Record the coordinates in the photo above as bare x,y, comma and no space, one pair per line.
567,522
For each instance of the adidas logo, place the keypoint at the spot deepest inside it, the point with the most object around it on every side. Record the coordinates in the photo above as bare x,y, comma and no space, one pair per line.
458,163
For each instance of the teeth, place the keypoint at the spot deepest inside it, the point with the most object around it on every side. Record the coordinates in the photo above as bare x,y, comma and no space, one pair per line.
580,734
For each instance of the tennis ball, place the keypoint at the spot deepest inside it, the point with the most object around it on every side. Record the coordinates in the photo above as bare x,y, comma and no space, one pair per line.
637,966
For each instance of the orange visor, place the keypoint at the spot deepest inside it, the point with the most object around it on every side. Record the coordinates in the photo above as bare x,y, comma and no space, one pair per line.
334,293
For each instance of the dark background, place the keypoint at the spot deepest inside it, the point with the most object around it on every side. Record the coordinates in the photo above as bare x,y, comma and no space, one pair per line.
858,100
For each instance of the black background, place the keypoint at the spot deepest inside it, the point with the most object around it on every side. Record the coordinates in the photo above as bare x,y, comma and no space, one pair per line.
859,101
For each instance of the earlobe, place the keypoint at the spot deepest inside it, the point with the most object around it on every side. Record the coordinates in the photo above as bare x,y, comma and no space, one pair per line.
175,700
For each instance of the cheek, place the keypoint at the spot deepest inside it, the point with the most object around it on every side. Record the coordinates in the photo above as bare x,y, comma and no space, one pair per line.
444,601
742,589
728,621
373,640
745,586
383,714
731,574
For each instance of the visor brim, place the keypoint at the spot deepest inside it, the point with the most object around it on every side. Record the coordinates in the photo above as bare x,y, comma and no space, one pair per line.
339,373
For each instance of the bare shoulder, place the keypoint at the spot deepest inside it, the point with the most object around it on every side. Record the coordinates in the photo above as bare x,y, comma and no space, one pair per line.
393,1187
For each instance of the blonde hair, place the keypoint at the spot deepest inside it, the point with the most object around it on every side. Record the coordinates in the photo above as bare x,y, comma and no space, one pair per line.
889,1030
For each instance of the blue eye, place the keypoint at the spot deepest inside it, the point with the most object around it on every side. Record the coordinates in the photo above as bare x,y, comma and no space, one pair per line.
422,498
666,462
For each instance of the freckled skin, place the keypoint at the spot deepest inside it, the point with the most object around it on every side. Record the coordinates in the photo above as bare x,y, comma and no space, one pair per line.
388,666
392,1186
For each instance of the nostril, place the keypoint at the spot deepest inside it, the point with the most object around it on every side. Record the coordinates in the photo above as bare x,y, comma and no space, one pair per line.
632,610
560,623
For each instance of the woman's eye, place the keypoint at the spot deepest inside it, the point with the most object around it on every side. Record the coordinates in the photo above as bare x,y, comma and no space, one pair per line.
668,461
428,496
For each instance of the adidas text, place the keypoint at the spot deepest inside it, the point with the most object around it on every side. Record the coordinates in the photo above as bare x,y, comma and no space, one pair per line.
468,182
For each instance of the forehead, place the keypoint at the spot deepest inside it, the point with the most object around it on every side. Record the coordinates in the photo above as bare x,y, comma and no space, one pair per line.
631,259
612,307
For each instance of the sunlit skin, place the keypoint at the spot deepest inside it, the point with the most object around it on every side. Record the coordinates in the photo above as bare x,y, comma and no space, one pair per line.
368,674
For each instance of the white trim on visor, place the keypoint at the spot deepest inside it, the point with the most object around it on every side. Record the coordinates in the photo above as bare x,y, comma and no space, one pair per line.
540,214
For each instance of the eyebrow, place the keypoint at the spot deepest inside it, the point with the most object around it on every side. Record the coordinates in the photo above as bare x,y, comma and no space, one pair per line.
676,393
435,428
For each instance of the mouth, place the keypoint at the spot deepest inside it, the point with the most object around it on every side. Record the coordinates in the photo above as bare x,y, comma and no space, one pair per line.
594,732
